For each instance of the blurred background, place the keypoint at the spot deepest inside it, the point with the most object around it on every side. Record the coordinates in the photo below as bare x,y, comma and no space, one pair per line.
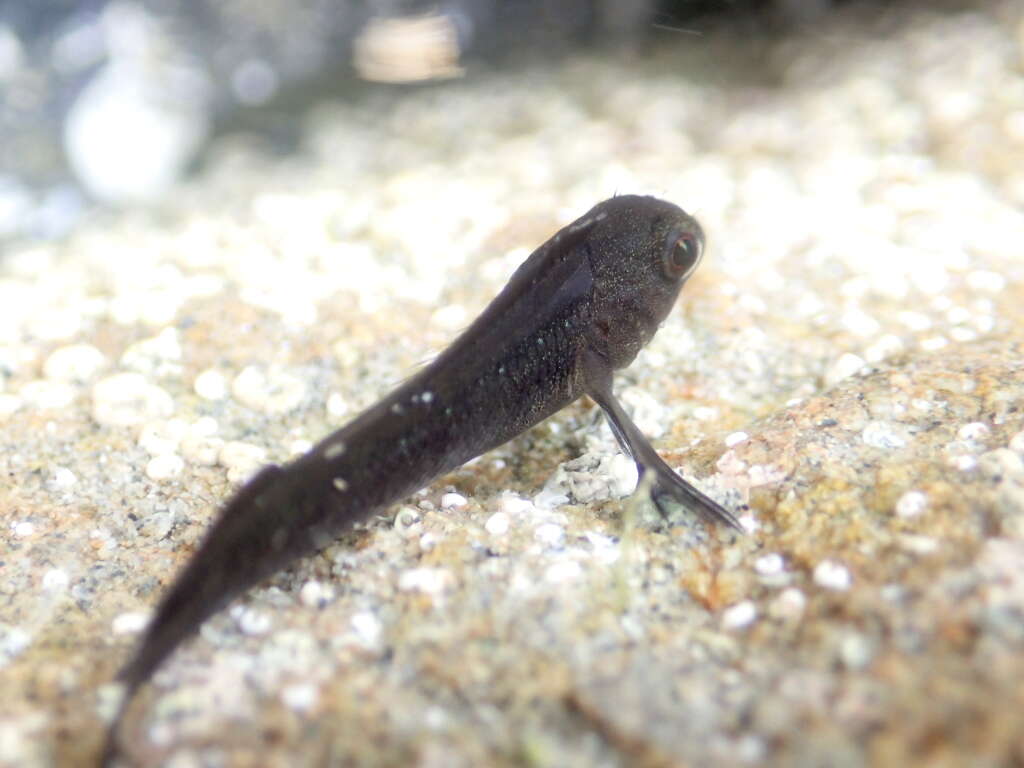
112,102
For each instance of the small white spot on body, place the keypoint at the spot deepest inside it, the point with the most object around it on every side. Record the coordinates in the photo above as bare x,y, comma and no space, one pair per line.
334,450
341,484
427,396
279,539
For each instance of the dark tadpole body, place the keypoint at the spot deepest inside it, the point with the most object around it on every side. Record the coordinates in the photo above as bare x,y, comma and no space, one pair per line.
580,307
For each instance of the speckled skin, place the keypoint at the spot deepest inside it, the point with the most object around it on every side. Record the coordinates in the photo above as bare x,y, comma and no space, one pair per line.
581,306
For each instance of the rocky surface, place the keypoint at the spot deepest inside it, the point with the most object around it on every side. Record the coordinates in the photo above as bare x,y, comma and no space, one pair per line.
846,368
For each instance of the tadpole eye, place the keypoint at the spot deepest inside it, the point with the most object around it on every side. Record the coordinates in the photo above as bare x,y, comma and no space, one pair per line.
682,256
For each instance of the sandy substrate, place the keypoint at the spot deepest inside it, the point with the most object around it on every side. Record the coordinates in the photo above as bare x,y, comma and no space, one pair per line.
847,368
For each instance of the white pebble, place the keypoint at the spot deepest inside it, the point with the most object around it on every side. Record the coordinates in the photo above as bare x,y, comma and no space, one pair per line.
367,628
55,580
241,459
164,466
75,362
705,413
770,564
847,365
64,477
975,431
44,393
1017,442
9,404
201,450
204,426
55,324
513,505
832,575
497,524
622,475
300,697
914,321
563,571
749,523
126,399
130,623
984,280
856,651
789,605
299,447
886,346
743,614
428,580
251,621
211,385
859,323
315,594
336,405
162,435
271,391
453,501
735,439
157,355
919,545
911,504
882,434
24,528
964,463
550,534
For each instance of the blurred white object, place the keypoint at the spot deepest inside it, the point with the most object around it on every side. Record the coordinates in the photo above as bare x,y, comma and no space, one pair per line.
141,119
408,49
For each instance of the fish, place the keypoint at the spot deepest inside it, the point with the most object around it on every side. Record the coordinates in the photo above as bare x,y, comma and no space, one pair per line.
579,308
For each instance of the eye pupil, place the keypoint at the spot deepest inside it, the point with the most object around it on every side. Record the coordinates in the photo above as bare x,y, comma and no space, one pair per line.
683,253
682,256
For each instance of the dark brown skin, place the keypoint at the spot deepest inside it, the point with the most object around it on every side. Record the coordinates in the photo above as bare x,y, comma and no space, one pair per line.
579,308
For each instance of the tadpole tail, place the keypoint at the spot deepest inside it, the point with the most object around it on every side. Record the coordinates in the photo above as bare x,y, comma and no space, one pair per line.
273,519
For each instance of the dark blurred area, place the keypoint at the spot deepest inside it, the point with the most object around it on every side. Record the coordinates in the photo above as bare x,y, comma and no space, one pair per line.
110,102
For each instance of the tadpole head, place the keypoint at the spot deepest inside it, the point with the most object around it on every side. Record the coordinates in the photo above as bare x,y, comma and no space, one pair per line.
641,253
